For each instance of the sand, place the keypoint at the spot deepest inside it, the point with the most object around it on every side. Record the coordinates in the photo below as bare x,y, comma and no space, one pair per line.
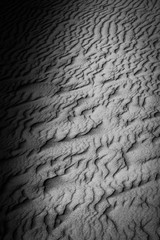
80,120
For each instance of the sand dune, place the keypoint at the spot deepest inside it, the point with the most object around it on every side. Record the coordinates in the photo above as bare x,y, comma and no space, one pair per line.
80,120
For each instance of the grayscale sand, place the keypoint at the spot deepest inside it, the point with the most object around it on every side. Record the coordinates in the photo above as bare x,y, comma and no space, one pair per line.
80,120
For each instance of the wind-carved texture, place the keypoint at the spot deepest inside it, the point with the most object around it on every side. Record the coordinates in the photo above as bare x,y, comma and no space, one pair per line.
80,114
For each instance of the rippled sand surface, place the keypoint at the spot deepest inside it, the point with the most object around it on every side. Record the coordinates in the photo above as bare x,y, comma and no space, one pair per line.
80,120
